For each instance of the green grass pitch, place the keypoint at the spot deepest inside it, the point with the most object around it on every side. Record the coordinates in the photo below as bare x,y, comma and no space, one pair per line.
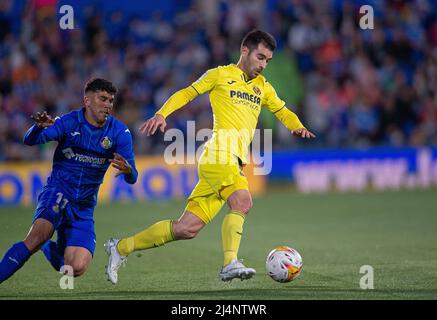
336,234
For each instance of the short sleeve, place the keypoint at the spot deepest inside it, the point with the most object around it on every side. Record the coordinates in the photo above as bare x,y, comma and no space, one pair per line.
207,81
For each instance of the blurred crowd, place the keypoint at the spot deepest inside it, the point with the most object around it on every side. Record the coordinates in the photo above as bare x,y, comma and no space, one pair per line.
360,87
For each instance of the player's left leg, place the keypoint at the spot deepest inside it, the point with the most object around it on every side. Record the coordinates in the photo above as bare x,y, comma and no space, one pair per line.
78,258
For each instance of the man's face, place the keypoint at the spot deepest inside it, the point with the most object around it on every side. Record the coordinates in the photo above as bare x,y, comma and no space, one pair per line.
256,61
98,106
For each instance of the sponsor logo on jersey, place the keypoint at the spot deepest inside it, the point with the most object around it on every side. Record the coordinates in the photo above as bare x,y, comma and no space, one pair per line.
93,161
245,96
256,90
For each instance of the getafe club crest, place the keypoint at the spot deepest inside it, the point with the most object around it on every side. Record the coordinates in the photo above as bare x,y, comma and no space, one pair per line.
256,90
106,143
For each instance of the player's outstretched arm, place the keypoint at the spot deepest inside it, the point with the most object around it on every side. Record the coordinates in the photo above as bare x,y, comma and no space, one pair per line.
36,135
303,133
175,102
43,120
290,120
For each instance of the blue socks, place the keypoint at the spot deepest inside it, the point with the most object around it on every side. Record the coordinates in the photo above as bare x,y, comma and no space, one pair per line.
18,254
52,254
13,260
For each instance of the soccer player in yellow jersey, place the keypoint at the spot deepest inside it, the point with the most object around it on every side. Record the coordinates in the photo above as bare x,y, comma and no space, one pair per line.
237,93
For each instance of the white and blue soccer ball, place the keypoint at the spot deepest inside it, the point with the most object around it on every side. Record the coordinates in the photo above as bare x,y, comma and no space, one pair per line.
284,264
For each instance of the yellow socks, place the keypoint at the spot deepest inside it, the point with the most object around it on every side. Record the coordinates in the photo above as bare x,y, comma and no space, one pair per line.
232,230
154,236
162,232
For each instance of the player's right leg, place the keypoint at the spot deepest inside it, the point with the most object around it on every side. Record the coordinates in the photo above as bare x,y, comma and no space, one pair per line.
51,207
19,253
117,250
240,202
156,235
53,254
202,206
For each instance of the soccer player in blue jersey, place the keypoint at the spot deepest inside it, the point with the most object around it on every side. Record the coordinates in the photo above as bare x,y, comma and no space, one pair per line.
89,141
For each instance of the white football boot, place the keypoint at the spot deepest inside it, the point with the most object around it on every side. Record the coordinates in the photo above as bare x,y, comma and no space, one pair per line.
235,269
115,260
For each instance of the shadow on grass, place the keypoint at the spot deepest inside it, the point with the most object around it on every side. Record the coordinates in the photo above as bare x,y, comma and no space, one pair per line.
292,293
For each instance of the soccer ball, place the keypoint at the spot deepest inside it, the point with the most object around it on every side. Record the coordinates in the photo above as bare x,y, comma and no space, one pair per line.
284,264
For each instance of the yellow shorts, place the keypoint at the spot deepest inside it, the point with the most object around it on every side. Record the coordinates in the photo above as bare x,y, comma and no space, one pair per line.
216,183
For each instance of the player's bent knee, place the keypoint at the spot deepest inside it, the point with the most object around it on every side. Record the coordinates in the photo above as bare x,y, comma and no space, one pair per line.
78,267
78,264
78,273
247,206
243,206
241,202
182,232
186,234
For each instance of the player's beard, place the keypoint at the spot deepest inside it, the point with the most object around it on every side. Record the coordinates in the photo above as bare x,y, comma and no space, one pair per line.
104,117
100,117
256,72
253,72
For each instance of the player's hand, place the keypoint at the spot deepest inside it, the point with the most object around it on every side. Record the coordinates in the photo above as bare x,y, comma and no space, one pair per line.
303,133
149,127
121,164
43,120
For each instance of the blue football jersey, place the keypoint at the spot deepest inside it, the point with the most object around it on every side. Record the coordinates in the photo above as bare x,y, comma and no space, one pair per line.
83,152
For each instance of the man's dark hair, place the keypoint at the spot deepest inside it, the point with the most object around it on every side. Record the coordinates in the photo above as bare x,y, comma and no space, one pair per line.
98,84
255,37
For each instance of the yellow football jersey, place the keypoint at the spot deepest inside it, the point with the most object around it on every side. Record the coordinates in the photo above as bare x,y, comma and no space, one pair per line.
236,103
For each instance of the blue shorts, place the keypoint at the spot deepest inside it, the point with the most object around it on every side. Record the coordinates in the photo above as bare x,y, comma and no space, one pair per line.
68,220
